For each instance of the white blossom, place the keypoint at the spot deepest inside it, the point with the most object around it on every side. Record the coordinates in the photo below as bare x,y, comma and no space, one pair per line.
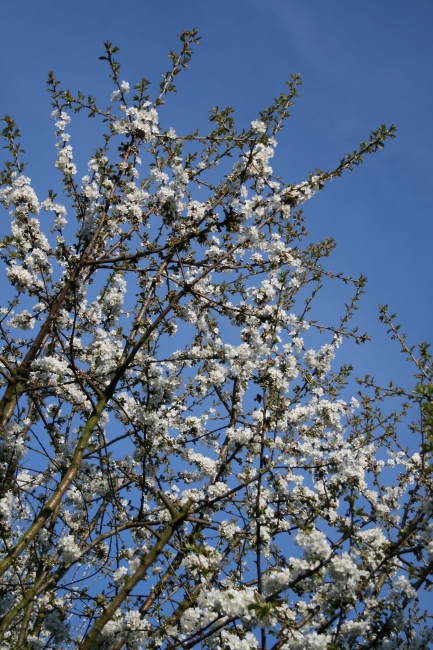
258,127
70,550
23,321
64,161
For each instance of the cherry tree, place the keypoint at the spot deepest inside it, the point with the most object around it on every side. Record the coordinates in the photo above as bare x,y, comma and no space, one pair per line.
181,465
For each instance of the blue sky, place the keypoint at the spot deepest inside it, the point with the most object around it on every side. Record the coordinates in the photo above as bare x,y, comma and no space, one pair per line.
363,64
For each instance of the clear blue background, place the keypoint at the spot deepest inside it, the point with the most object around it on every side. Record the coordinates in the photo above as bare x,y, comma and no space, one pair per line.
362,63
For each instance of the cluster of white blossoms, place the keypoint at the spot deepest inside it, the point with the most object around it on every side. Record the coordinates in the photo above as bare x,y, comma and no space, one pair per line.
181,462
142,121
64,157
23,279
320,360
112,300
257,126
170,194
212,603
53,369
64,161
205,464
70,550
21,195
12,443
134,203
32,247
59,210
197,563
22,321
314,545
